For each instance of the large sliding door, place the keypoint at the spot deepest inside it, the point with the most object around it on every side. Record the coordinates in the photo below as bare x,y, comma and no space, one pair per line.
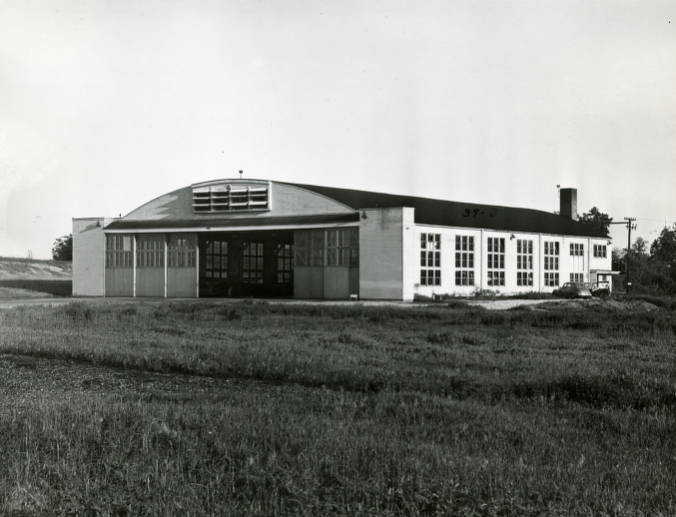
246,264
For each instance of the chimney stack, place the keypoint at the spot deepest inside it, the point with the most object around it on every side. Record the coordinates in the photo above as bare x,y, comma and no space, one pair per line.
568,203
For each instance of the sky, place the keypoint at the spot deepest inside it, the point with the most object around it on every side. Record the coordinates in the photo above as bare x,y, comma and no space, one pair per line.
107,104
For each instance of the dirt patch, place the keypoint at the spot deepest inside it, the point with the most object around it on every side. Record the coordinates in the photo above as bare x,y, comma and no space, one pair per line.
12,293
600,303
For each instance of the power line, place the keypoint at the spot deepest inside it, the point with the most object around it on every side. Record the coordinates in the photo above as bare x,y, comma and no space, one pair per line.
630,225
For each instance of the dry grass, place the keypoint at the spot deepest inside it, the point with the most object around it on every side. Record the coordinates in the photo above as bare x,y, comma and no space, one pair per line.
233,409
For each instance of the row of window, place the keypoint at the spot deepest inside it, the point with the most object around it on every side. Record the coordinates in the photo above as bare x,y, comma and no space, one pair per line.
430,260
252,253
334,247
150,251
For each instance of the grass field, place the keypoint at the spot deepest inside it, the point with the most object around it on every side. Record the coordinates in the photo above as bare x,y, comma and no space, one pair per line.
252,408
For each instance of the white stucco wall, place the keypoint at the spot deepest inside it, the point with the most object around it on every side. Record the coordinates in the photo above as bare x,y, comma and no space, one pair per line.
381,238
567,263
88,256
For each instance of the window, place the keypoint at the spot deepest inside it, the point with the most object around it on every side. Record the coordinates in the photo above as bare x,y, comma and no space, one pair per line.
551,279
551,264
252,262
464,260
284,254
495,265
216,259
430,259
524,262
342,247
576,249
181,250
309,247
317,248
150,251
577,277
600,250
226,197
118,251
301,246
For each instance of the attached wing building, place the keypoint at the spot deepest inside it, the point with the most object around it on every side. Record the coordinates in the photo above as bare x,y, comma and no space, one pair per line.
237,237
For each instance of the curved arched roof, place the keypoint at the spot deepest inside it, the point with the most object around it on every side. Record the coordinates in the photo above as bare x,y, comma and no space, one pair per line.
345,208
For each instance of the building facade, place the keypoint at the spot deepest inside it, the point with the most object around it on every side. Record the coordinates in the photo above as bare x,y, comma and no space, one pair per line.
237,237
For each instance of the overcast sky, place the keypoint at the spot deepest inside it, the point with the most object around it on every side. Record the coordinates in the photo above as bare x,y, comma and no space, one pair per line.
105,105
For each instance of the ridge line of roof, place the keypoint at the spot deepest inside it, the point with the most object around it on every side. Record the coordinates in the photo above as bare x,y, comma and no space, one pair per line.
421,198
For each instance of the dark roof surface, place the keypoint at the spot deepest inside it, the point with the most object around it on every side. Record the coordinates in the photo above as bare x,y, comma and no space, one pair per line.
427,211
453,213
196,222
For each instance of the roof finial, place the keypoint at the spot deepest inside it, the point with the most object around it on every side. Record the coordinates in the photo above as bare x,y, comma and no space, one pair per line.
241,172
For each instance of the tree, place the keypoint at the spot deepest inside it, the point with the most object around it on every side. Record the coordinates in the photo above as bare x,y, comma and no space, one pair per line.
640,246
597,219
63,248
618,260
663,256
664,247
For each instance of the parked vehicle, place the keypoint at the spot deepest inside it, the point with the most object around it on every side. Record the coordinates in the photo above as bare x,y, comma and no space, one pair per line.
600,290
573,290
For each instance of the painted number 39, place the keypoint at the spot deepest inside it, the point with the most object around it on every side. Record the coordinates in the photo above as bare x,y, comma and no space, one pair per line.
473,212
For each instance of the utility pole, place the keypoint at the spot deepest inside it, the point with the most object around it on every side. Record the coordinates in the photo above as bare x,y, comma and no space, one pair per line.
629,223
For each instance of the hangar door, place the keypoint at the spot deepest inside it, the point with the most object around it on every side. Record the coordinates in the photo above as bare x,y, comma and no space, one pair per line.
246,264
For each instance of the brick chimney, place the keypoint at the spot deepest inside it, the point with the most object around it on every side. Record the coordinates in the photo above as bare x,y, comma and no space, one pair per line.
568,203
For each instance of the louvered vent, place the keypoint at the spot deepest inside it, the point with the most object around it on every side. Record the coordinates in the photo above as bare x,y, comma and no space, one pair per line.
230,197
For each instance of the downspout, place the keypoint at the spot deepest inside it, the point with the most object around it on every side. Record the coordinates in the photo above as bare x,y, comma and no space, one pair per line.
133,261
587,266
541,273
165,264
481,259
105,252
403,261
197,266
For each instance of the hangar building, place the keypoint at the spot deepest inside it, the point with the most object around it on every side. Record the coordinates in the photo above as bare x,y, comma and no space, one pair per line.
244,237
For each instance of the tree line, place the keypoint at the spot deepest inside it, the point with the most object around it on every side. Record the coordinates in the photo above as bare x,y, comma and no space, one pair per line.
652,266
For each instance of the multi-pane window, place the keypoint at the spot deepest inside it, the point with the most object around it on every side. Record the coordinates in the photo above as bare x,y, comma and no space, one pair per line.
216,259
577,277
301,247
464,260
181,250
150,251
430,259
551,259
309,248
600,250
576,249
342,247
551,279
284,254
317,248
252,262
495,263
118,251
524,262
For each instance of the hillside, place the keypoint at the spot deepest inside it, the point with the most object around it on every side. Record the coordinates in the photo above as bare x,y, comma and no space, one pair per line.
12,268
32,278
